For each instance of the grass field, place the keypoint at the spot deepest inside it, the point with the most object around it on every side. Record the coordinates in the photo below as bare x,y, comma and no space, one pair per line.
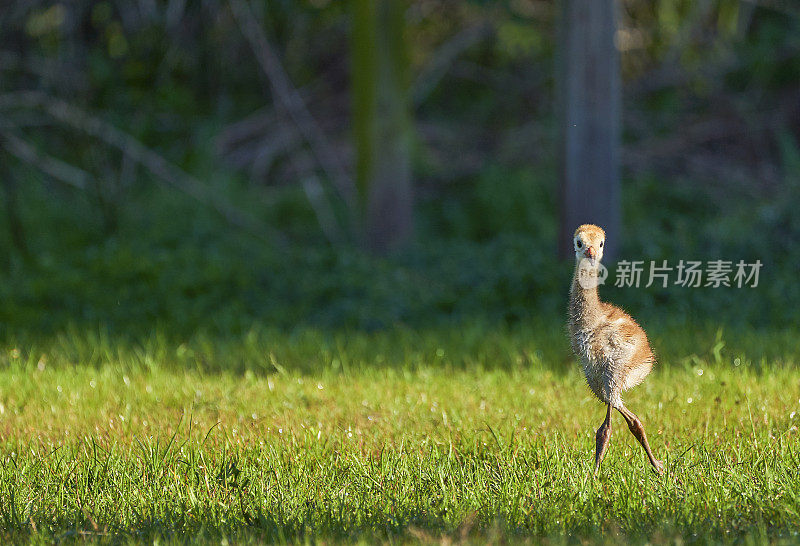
475,433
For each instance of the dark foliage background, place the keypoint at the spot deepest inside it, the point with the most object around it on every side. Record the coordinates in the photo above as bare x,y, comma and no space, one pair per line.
151,181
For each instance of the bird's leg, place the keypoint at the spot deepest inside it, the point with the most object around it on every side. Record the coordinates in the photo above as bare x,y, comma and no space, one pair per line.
637,429
602,437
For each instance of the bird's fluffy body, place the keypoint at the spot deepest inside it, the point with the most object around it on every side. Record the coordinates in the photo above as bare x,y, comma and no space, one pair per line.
613,350
612,347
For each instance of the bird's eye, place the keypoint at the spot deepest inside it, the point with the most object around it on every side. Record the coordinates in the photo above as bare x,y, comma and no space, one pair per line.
601,244
580,244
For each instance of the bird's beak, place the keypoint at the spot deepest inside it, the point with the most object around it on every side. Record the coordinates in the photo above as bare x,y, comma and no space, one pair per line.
591,253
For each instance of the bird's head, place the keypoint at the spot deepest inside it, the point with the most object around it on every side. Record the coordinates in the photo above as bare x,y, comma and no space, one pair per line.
588,242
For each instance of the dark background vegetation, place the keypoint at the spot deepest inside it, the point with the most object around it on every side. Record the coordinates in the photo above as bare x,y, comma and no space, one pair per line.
152,180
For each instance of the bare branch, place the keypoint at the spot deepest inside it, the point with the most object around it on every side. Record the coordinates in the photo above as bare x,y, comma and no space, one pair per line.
315,194
289,98
268,151
254,125
445,56
60,170
138,152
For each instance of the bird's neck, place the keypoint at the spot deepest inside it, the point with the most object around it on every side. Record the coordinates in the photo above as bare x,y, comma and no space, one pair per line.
584,301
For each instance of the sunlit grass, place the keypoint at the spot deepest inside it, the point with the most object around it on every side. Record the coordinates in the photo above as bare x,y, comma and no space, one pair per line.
472,433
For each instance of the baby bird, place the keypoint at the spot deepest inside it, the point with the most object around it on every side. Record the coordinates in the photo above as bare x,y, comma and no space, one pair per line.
612,347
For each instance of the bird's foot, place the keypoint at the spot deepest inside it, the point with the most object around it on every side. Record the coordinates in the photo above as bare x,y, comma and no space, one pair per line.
602,439
658,467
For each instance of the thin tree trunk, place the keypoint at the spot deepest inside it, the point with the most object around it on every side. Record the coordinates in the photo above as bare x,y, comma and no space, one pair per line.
382,123
589,91
15,225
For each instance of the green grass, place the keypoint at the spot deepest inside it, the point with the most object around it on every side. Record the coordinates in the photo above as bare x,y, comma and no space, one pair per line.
474,433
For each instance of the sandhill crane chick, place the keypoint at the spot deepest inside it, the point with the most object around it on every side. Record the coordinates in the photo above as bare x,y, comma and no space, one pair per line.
612,347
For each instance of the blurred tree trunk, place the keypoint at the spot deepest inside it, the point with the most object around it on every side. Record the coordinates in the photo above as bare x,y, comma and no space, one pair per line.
15,226
382,123
589,91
